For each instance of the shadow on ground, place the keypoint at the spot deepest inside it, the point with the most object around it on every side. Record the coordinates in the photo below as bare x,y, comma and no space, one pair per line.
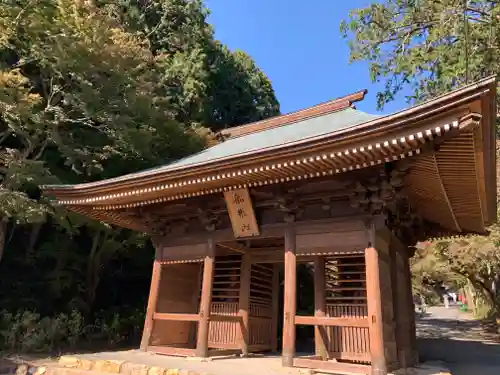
461,343
8,365
462,357
470,330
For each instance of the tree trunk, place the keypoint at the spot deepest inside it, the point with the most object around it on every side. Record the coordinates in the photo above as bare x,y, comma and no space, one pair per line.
469,295
3,236
495,286
90,282
35,233
488,292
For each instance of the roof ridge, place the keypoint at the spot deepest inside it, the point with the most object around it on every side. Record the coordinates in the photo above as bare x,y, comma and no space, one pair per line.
299,115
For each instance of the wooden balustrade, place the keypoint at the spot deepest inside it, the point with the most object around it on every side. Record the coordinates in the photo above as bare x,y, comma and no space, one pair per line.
177,317
349,341
225,326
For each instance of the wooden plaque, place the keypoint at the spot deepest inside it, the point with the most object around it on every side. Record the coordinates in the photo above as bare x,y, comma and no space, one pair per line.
241,213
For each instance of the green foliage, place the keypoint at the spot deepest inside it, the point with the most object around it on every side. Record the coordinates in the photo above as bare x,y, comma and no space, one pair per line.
234,74
205,81
473,259
426,48
28,332
425,45
91,90
78,93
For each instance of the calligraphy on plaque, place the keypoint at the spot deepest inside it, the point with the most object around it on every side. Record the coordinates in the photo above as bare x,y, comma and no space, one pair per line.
241,213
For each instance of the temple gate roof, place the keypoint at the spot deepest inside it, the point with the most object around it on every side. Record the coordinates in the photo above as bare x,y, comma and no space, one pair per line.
451,140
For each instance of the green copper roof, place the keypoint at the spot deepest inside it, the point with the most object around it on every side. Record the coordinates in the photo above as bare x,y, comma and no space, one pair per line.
279,136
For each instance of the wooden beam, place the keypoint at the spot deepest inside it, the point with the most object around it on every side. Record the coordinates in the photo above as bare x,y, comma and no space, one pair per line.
177,317
206,301
152,301
331,322
320,334
244,302
335,367
166,350
225,318
338,224
236,247
374,300
290,298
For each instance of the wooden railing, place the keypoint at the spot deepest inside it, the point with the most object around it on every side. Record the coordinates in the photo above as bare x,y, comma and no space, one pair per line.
347,331
349,341
225,326
261,329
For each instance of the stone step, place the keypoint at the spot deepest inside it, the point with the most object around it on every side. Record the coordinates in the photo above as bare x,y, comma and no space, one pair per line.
71,365
59,370
106,366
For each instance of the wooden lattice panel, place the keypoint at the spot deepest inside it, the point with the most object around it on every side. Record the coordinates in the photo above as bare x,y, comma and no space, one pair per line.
261,293
226,284
345,279
261,325
261,284
345,297
224,334
348,343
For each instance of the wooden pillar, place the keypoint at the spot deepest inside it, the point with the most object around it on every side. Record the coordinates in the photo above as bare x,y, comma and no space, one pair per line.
320,334
404,309
244,302
152,302
206,301
193,330
290,298
387,267
411,309
396,308
275,307
375,320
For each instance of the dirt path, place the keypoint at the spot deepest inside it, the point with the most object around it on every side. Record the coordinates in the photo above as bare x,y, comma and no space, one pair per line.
455,338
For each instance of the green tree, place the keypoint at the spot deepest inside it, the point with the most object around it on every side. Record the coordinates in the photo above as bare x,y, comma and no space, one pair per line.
80,99
238,92
90,90
425,46
205,81
471,259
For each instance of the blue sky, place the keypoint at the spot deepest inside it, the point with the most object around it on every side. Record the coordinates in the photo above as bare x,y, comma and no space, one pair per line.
299,46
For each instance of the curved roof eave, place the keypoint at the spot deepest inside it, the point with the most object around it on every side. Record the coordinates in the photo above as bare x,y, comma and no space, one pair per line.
369,128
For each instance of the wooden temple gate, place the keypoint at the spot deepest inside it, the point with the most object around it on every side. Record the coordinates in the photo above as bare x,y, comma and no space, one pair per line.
346,192
243,287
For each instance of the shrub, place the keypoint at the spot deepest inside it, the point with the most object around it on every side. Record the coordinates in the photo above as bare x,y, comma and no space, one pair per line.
28,332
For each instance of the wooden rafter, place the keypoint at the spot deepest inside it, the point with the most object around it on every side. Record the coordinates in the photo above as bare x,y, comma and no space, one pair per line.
445,194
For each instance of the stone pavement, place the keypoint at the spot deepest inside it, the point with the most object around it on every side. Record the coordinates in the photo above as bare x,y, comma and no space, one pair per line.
457,339
448,338
134,362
